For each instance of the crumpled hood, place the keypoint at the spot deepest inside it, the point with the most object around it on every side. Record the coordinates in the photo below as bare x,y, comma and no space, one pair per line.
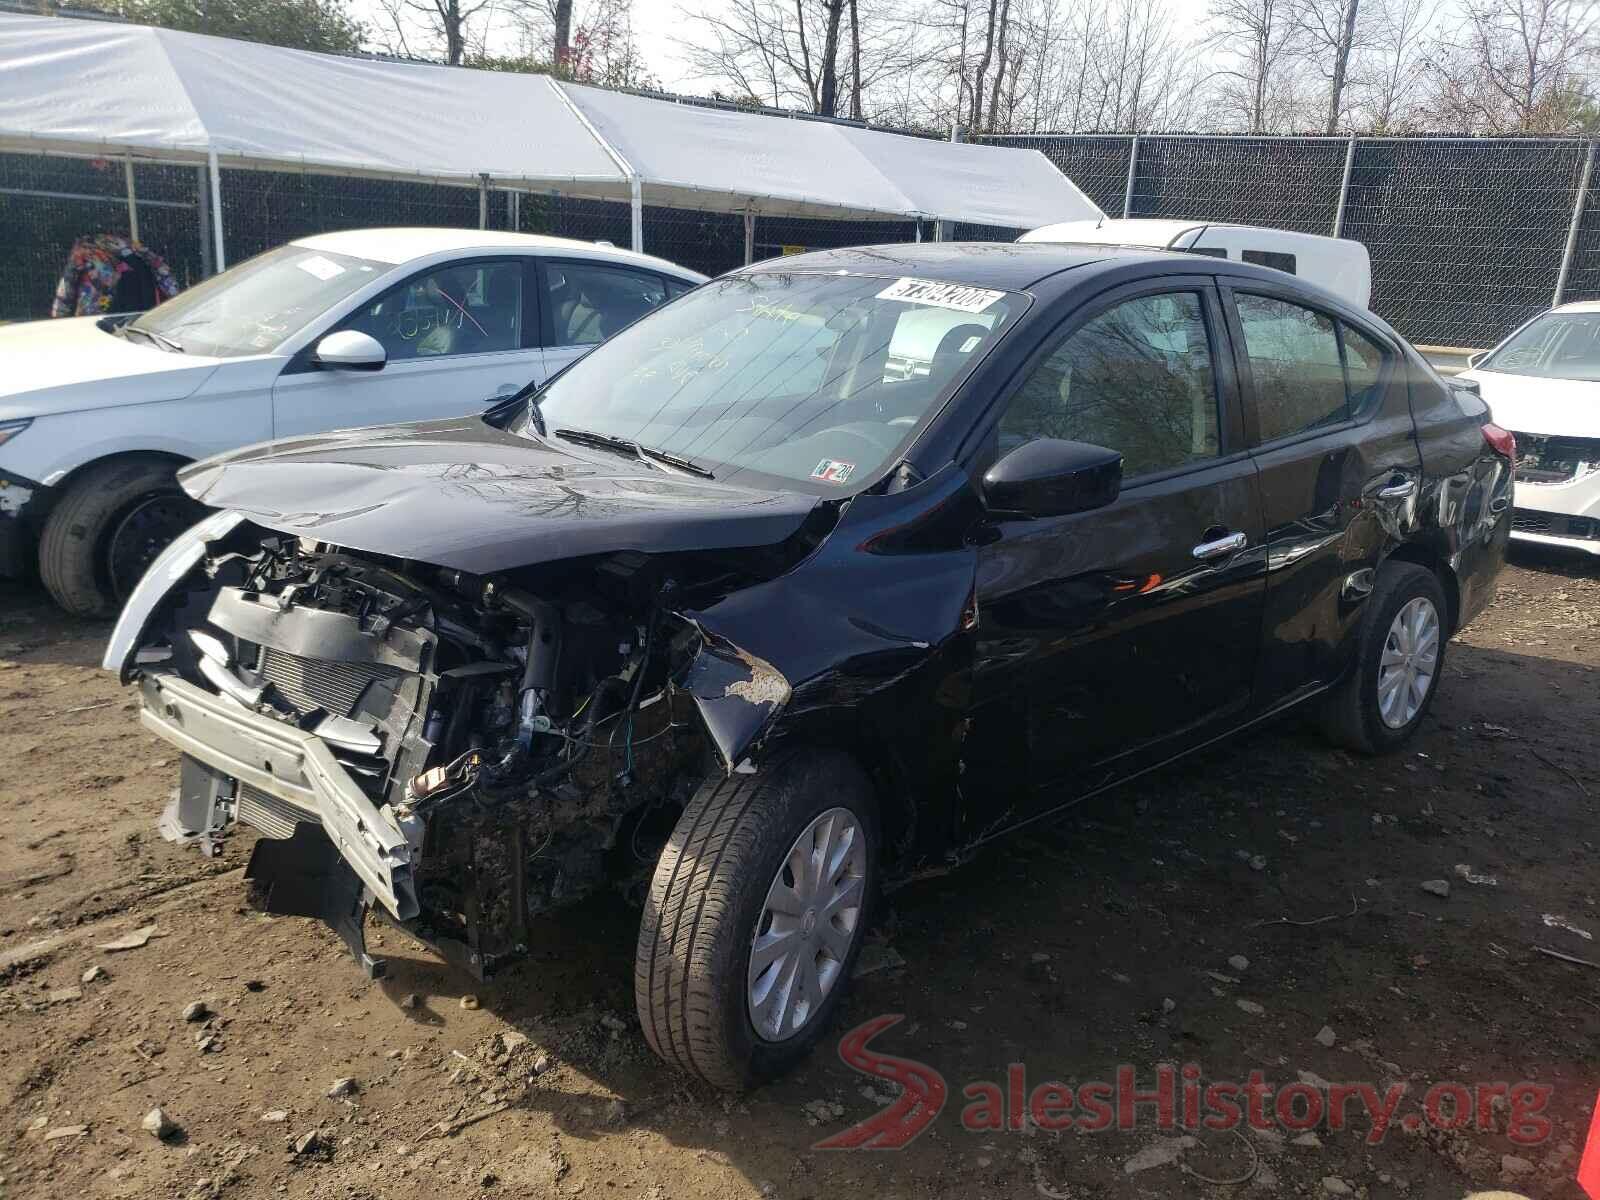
71,364
465,495
1526,404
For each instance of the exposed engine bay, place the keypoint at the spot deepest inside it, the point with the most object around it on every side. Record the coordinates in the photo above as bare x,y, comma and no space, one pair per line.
461,752
1549,459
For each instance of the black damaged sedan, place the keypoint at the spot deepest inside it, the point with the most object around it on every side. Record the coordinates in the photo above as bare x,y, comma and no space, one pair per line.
830,571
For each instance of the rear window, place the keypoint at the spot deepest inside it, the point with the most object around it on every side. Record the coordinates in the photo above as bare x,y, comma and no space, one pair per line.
1275,259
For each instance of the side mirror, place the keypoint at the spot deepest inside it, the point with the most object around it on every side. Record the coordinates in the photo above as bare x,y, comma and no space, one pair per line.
1050,477
1474,359
350,350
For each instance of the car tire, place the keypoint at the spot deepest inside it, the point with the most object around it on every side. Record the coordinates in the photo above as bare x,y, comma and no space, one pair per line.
1377,708
75,546
697,998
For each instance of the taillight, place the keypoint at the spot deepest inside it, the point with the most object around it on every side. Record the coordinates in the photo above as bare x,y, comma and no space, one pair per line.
1501,441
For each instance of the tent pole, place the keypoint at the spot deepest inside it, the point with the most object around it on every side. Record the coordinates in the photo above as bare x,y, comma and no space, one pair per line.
216,208
635,188
202,193
133,199
749,236
483,202
637,204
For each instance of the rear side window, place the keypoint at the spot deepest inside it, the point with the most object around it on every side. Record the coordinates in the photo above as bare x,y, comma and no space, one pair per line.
1275,259
1363,366
1295,364
1136,379
588,302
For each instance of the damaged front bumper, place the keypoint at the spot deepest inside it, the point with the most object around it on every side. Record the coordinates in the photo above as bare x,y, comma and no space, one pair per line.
296,767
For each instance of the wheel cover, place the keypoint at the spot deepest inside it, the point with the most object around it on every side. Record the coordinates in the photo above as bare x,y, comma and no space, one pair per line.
808,925
144,531
1409,663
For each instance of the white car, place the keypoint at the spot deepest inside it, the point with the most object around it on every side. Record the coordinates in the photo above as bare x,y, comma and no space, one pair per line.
1342,265
330,332
1543,384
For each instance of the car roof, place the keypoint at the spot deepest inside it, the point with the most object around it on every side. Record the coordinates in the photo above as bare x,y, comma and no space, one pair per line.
1579,306
1010,266
1013,266
405,244
1157,231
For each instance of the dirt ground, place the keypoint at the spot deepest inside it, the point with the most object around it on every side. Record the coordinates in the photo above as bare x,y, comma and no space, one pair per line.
1103,941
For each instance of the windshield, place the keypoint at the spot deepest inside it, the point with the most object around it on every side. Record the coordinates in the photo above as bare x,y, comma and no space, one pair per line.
1555,346
258,305
821,379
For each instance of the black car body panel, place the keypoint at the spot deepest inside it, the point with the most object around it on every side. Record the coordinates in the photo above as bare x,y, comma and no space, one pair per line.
466,495
985,667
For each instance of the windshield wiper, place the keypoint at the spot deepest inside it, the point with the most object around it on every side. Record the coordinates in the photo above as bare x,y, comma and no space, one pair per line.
606,441
674,460
159,339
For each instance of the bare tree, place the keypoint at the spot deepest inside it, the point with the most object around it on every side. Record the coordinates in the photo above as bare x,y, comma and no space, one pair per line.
561,36
1330,35
1257,40
1390,62
442,26
591,42
1000,61
1517,66
780,52
855,62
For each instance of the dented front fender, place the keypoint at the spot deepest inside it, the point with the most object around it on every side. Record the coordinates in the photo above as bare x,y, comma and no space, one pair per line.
865,632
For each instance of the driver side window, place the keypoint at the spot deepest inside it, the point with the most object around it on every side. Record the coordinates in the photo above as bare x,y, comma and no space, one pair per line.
465,308
1137,379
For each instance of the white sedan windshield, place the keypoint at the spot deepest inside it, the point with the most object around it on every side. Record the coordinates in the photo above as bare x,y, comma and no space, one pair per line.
1556,346
255,307
814,378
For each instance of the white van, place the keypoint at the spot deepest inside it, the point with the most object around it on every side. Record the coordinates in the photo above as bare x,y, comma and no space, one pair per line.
1338,264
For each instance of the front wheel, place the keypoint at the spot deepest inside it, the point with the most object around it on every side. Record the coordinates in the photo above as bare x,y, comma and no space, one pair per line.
108,527
1399,658
755,917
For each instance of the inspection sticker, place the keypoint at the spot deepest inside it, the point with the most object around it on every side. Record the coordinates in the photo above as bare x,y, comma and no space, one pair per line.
941,295
831,471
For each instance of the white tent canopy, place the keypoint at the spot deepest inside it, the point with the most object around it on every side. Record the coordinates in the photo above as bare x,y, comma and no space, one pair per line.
78,86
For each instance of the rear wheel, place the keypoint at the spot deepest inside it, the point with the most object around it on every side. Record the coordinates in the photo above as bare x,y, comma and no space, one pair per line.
1399,658
108,527
755,918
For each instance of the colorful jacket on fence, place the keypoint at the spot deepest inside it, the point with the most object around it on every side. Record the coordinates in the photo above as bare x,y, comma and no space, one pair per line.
97,265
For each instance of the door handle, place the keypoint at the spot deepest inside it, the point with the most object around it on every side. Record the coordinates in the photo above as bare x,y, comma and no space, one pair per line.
1399,491
1231,544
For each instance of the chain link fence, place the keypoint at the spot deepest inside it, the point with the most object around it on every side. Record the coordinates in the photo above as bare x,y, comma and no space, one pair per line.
48,202
1468,237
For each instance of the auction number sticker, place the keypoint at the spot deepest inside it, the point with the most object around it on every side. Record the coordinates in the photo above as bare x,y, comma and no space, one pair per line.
958,296
322,268
832,471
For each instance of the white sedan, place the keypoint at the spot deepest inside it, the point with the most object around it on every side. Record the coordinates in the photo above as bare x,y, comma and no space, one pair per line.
329,332
1543,384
